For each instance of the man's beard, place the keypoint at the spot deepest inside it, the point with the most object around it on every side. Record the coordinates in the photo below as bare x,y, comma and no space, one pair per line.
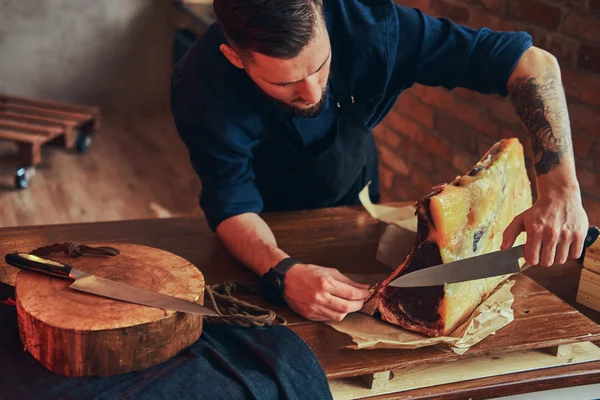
310,112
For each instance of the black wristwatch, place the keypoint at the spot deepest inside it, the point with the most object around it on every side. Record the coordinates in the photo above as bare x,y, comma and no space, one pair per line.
271,283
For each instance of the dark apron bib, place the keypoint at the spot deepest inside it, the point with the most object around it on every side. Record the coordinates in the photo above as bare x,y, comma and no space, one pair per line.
328,174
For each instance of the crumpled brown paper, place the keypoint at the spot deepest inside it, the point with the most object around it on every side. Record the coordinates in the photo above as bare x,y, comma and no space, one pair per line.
371,333
396,242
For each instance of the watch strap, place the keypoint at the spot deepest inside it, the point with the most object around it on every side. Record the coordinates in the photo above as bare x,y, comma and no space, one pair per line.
284,265
271,283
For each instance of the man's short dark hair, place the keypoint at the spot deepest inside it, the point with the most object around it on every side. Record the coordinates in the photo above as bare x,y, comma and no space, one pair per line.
275,28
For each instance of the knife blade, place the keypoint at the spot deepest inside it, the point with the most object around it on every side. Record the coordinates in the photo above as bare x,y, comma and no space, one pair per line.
497,263
96,285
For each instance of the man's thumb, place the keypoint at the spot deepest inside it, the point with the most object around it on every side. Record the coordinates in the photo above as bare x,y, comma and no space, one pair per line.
512,231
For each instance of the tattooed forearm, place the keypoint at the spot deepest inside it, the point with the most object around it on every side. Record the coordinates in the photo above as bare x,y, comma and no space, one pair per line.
543,110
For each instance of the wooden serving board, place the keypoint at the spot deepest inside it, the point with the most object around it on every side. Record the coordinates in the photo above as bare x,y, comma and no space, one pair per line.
79,334
542,320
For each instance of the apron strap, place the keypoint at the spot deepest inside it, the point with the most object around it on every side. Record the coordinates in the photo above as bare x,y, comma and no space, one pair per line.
341,92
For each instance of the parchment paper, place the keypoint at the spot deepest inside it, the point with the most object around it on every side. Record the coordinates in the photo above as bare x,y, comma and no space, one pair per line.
394,246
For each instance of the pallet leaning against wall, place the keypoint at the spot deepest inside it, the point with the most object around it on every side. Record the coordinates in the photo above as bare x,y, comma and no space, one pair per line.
31,123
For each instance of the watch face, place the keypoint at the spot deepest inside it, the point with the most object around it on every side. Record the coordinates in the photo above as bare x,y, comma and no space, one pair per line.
271,286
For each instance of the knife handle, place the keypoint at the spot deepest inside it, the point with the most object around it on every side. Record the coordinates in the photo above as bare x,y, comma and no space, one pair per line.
33,263
592,235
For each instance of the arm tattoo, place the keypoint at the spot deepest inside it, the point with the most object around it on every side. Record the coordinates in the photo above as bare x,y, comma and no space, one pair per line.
542,108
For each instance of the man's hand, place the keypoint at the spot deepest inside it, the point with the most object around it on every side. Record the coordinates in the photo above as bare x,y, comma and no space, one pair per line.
556,228
322,294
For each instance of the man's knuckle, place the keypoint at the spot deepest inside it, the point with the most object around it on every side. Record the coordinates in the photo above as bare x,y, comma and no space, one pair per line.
323,282
552,232
346,308
579,236
537,228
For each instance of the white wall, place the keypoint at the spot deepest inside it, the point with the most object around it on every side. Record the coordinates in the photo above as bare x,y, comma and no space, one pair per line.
112,53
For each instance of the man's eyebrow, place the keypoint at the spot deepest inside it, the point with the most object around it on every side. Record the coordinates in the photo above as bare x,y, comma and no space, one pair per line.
289,83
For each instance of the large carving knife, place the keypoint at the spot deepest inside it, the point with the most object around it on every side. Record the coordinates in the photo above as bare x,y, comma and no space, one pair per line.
96,285
487,265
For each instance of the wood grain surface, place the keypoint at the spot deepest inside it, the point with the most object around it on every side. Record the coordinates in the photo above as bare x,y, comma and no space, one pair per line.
541,320
425,376
345,238
592,257
79,334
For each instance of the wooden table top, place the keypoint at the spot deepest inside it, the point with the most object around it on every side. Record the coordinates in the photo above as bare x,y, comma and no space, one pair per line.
345,238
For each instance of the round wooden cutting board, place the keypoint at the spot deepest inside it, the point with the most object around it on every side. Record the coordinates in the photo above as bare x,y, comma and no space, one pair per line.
79,334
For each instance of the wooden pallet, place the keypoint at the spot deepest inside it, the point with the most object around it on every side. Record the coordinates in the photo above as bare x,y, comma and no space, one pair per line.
427,376
31,123
544,325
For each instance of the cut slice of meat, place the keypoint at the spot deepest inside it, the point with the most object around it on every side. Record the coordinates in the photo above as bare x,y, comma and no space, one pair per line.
464,218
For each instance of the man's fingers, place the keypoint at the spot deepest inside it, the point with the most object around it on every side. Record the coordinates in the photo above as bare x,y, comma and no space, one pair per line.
512,231
343,278
562,251
549,242
340,305
577,246
533,247
322,313
347,291
336,285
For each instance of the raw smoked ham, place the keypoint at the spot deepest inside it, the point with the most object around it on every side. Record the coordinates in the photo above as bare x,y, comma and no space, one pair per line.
464,218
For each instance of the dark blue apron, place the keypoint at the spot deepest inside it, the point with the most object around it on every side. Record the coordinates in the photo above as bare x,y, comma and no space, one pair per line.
329,173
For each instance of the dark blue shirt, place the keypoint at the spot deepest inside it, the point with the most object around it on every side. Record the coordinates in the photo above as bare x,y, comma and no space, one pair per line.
384,49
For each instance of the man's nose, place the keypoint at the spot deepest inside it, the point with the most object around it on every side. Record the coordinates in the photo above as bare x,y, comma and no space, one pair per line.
310,90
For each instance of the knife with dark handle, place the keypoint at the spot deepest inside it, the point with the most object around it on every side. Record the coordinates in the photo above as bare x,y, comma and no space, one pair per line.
38,264
96,285
484,266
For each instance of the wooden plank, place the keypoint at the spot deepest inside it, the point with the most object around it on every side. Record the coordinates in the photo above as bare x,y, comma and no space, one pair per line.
526,382
378,380
56,105
31,110
564,350
465,370
589,289
592,257
22,137
70,135
33,128
7,115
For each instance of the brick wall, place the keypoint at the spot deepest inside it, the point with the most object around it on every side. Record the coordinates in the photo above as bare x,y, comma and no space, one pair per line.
433,134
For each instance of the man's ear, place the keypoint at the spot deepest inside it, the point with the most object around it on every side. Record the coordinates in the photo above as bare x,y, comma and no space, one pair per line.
231,55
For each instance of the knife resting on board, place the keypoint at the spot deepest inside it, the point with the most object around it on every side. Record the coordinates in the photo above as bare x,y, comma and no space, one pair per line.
96,285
